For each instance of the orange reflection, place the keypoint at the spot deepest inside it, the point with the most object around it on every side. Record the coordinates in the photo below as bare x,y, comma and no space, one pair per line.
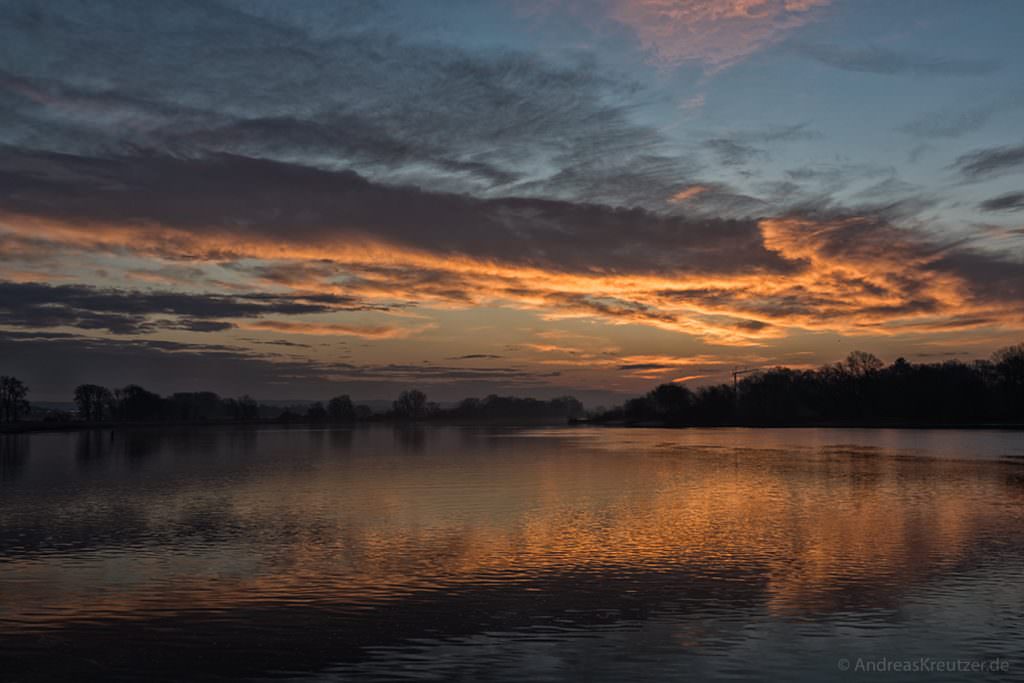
819,528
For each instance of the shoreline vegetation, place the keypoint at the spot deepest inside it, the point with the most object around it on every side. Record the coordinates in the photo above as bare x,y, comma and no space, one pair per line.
97,407
860,391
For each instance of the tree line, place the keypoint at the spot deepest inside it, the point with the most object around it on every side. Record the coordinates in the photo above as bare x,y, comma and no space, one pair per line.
859,390
133,403
413,405
97,404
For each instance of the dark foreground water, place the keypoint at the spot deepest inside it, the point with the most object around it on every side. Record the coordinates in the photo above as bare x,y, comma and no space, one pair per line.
505,554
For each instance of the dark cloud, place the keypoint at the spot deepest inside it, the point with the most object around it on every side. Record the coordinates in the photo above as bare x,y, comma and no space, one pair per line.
279,342
290,273
992,279
201,325
240,200
753,325
984,163
876,60
610,307
359,141
246,198
475,356
646,366
988,278
137,312
340,89
1012,201
43,316
471,162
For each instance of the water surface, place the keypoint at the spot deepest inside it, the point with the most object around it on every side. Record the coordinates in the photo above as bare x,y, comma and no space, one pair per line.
510,554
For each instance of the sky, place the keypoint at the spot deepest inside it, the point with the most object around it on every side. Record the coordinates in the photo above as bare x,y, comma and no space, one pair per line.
531,197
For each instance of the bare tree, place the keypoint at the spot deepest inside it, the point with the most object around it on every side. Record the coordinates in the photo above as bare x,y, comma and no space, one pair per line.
12,399
340,409
92,401
1010,364
411,404
862,363
316,412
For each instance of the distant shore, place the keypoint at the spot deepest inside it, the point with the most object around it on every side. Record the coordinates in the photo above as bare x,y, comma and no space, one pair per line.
31,427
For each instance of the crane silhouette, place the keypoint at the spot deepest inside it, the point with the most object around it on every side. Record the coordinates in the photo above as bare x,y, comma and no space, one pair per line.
736,372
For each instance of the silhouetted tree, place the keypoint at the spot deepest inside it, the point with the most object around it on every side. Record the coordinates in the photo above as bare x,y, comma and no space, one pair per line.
566,406
316,413
860,390
672,403
93,401
411,405
13,403
1009,367
496,407
1010,363
639,410
714,405
246,408
133,403
340,409
780,395
195,405
468,407
862,363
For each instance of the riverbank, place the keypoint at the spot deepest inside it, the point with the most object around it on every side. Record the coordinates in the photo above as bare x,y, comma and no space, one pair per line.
30,427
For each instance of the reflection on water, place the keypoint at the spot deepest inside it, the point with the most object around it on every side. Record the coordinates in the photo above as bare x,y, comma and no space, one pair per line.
507,554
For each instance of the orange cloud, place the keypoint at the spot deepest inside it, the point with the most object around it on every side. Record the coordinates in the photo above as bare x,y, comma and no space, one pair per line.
334,329
687,193
716,33
853,275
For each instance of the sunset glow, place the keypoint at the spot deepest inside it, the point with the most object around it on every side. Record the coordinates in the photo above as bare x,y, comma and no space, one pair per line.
586,198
